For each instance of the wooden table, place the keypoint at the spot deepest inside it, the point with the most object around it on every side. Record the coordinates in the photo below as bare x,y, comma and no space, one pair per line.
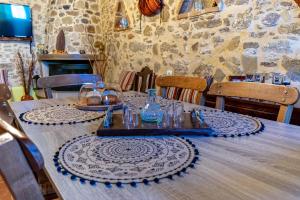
265,166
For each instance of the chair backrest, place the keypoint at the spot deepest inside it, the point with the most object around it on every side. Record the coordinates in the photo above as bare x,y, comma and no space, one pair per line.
3,76
65,80
5,93
19,156
184,82
144,80
283,95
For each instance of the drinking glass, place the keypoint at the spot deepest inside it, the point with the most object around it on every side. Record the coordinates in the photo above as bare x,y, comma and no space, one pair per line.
250,78
277,79
286,80
177,117
131,117
171,109
164,120
179,111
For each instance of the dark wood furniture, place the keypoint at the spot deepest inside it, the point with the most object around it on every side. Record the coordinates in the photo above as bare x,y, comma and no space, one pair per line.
144,80
49,82
255,108
19,156
285,96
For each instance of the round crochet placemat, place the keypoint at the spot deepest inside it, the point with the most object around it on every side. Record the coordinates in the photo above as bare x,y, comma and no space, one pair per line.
59,115
125,160
228,124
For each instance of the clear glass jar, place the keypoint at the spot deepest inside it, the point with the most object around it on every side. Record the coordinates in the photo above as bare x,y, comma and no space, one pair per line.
95,94
90,94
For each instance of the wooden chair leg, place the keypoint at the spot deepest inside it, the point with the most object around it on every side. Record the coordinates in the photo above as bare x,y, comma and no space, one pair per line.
220,103
46,186
285,113
202,100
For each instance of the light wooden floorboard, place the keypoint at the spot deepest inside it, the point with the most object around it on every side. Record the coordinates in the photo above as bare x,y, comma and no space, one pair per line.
4,191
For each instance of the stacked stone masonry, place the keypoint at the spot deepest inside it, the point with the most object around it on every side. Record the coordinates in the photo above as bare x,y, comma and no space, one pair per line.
248,36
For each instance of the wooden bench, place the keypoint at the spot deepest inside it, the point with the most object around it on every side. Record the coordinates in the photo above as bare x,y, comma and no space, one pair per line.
285,96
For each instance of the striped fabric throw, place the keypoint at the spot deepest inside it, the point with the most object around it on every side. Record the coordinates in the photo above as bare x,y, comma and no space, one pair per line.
139,84
3,76
172,92
126,80
190,96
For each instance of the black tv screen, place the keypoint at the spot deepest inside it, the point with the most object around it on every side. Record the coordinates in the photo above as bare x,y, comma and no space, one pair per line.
15,21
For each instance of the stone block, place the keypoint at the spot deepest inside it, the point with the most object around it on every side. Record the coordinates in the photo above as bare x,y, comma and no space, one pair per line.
249,61
271,19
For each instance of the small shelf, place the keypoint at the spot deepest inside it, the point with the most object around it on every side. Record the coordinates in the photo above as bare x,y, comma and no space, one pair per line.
15,39
192,8
121,18
67,57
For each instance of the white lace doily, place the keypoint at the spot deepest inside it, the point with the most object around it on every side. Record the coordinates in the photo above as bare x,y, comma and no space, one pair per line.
117,160
58,115
228,124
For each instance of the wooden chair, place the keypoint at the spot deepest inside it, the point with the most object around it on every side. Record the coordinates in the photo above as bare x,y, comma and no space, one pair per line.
19,156
183,82
144,80
285,96
49,82
5,93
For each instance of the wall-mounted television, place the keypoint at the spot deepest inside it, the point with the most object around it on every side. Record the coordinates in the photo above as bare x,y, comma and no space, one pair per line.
15,21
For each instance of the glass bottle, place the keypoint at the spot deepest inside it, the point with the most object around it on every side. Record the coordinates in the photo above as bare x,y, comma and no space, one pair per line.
151,112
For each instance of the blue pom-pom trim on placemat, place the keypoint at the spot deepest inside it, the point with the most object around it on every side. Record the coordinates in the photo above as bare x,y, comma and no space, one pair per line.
22,119
260,126
119,184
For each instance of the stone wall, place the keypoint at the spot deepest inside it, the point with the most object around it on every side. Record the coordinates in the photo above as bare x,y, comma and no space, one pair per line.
8,49
78,19
248,36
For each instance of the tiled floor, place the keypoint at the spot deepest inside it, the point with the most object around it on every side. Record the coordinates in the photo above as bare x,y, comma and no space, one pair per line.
4,192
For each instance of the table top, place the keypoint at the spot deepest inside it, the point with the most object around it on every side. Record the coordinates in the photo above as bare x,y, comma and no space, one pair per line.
264,166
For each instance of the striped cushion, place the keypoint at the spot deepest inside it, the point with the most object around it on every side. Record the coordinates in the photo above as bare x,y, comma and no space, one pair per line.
190,96
139,83
3,76
126,80
172,92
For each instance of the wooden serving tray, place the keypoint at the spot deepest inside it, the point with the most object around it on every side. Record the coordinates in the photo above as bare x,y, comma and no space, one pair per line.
97,108
189,126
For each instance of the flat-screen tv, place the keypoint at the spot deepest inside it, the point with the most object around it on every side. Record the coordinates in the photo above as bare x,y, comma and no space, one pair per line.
15,21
